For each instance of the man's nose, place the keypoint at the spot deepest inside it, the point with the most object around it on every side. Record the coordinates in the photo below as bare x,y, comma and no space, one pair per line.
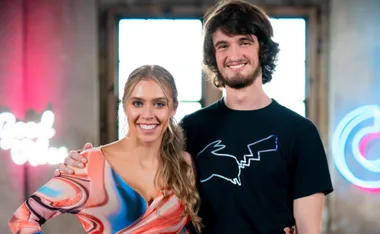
234,52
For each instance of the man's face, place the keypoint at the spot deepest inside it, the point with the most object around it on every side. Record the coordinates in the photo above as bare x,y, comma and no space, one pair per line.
237,58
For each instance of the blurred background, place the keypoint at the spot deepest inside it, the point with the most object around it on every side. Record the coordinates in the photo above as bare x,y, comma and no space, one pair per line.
63,65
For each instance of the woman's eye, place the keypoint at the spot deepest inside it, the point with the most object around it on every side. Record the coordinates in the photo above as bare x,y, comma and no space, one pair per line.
160,104
137,103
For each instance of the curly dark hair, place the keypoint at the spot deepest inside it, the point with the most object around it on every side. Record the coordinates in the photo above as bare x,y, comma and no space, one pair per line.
239,17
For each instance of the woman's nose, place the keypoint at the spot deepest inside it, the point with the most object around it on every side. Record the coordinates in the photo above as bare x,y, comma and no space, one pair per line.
148,112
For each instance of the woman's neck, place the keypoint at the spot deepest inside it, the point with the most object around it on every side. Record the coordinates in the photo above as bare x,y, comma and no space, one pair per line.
145,154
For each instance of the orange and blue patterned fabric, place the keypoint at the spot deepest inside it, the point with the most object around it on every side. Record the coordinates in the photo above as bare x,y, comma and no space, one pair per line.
102,201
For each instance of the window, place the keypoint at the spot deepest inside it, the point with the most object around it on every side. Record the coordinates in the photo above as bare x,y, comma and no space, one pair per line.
175,44
288,85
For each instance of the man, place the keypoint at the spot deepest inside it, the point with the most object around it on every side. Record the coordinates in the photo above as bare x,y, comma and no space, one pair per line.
260,166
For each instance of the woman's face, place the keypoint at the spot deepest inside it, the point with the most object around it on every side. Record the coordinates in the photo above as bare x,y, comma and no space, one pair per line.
148,111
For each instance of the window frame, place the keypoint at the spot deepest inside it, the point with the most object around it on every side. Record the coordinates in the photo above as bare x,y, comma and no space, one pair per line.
109,62
316,70
316,81
311,90
181,84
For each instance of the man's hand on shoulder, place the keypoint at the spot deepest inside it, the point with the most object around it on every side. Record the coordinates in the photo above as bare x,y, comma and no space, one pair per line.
74,159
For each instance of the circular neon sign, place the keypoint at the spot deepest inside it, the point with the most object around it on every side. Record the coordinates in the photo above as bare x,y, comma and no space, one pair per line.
360,127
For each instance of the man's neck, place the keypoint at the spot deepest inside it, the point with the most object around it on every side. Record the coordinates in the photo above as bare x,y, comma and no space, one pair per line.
251,97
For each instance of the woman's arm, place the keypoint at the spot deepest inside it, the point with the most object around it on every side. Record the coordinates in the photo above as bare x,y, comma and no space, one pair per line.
62,194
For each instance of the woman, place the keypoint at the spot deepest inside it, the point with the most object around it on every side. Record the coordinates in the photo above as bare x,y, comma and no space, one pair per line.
143,183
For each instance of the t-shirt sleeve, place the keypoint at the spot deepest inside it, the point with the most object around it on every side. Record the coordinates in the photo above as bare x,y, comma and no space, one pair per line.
184,123
309,164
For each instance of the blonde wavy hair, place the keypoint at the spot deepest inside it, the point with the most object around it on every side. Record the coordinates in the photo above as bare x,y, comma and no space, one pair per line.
177,174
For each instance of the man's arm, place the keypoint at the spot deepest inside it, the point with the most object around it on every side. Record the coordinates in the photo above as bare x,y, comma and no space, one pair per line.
311,179
308,213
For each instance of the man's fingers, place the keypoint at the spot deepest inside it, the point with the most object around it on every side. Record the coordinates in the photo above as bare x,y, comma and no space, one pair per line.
88,145
57,172
74,159
75,156
62,168
289,230
73,163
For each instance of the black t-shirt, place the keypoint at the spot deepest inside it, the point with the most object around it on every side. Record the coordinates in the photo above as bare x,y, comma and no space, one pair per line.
251,165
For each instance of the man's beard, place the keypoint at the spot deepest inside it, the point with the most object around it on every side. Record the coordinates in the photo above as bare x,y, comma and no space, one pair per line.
239,81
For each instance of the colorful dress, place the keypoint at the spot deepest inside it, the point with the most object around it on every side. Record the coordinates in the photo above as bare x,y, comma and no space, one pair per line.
102,201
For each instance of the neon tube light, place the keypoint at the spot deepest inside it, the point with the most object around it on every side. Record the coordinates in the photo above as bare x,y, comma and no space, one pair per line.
29,142
350,128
